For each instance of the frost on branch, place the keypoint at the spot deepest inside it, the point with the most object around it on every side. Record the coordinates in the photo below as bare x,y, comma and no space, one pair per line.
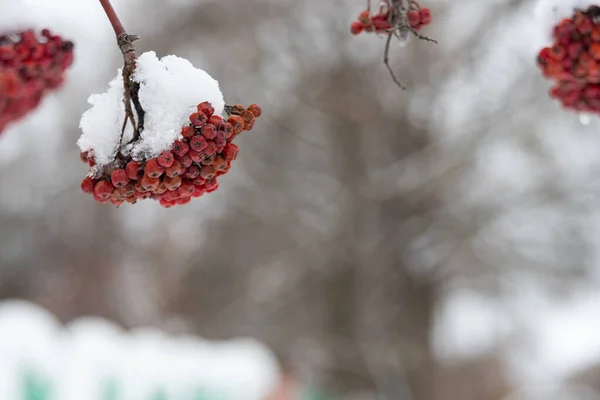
184,146
31,65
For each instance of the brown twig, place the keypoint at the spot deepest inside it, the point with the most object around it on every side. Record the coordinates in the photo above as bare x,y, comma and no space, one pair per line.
125,42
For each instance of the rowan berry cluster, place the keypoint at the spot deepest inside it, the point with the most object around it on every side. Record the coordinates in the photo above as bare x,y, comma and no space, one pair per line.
573,61
190,169
30,65
379,22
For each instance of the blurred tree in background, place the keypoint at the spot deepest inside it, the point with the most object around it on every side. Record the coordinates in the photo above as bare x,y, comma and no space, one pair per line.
356,213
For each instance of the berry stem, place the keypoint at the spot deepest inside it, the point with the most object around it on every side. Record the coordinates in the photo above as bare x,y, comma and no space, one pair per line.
125,42
112,17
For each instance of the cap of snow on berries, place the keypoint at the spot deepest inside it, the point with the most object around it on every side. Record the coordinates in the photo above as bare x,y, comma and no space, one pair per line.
178,155
170,89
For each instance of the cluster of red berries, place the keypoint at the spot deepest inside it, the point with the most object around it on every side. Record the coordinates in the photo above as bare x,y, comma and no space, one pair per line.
380,22
573,61
30,65
188,170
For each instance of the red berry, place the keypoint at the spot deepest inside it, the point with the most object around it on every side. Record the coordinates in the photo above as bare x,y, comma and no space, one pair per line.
255,109
414,18
211,185
175,169
206,159
147,183
558,52
381,23
198,142
211,148
103,189
207,171
220,140
206,108
119,178
188,131
215,120
192,172
171,195
208,131
230,152
198,191
198,119
585,27
143,195
425,16
248,118
356,28
237,123
186,188
183,200
227,128
172,183
153,169
117,203
118,194
129,190
219,163
199,181
594,51
101,199
88,185
165,159
166,204
180,148
83,156
134,170
194,156
186,160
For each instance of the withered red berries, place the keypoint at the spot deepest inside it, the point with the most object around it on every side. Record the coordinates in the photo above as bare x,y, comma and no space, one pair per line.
572,61
30,66
190,169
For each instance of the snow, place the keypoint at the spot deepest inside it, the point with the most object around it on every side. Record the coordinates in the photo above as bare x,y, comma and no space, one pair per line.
170,89
79,360
102,124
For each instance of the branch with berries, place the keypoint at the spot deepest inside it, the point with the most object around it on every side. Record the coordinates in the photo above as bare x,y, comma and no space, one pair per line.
147,137
32,64
573,61
395,18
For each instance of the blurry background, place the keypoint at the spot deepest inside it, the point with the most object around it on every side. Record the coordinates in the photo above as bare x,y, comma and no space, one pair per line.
439,243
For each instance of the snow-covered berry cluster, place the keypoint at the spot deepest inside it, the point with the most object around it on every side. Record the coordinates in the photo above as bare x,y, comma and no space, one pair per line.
379,22
190,169
31,64
573,61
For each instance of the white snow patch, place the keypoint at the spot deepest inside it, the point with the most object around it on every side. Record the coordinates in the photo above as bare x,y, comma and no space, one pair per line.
78,360
102,124
170,89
